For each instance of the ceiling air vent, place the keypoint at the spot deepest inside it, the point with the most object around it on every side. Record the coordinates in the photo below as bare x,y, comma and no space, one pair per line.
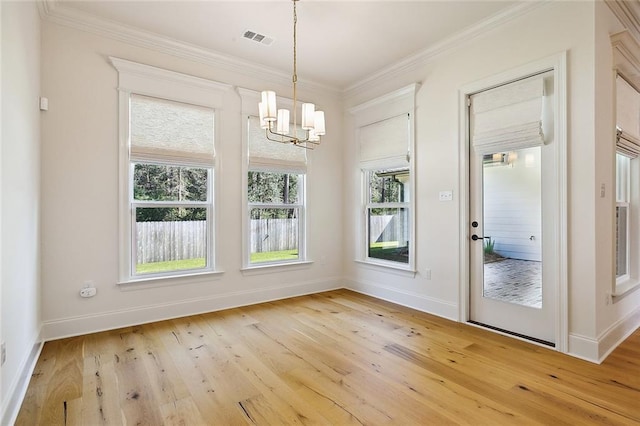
257,37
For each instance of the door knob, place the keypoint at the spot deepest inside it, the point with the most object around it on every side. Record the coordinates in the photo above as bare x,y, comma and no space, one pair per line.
474,237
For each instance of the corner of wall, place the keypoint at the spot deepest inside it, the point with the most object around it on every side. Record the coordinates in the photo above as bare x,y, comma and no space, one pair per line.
18,389
420,302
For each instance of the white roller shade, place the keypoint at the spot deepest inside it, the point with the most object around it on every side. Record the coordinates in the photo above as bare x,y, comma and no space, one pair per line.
627,119
171,131
509,117
265,154
386,139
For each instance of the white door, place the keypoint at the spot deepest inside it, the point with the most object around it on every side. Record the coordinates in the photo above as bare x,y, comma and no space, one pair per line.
513,190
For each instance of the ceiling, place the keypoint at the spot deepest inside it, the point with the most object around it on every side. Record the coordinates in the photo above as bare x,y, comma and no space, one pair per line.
339,42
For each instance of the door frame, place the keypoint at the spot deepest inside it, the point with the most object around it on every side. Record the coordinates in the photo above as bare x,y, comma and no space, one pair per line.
557,63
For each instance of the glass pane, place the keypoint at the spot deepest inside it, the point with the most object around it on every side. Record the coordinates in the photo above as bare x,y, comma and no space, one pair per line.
169,183
170,239
274,235
389,186
621,240
513,227
622,178
389,234
273,188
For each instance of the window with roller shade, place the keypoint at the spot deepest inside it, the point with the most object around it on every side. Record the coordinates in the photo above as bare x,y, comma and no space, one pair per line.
167,123
172,158
385,162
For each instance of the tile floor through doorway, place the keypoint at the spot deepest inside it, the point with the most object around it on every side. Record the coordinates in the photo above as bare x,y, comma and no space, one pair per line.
514,281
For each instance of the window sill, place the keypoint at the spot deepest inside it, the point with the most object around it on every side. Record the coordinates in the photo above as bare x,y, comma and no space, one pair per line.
388,267
269,268
168,280
625,288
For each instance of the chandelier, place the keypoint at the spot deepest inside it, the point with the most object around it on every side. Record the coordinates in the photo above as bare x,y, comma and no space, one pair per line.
275,121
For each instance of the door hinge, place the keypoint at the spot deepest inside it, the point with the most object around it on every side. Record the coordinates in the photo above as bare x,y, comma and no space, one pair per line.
468,101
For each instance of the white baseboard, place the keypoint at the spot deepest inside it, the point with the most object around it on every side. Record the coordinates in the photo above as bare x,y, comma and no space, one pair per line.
596,350
17,390
583,347
85,324
412,300
617,333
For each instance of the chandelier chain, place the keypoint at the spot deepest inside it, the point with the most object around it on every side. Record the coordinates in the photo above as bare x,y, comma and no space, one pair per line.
295,67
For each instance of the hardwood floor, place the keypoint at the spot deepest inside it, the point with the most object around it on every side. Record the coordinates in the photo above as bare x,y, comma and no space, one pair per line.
331,358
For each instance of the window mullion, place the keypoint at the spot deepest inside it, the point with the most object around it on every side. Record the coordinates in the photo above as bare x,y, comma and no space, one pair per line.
165,204
273,206
388,205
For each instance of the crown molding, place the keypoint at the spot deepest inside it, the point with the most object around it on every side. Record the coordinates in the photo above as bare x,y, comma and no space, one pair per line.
51,11
626,57
628,12
416,60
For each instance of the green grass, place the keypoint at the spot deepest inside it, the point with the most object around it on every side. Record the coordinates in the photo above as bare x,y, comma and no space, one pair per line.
389,250
273,256
178,265
171,265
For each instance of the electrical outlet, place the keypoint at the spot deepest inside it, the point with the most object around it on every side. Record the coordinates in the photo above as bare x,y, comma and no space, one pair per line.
427,274
87,292
3,353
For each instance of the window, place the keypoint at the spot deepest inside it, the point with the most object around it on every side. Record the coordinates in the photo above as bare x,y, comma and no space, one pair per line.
171,203
385,143
388,215
167,128
276,173
171,210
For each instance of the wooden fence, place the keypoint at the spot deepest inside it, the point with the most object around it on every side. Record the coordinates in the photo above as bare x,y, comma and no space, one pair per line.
165,241
388,228
273,235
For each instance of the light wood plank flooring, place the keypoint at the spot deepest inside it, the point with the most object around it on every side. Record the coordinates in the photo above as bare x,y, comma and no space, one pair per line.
331,358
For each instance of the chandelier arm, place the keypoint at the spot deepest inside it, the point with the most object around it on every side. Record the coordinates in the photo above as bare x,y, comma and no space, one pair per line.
289,139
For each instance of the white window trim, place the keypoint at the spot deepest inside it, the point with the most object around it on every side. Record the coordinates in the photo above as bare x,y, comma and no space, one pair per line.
399,102
156,82
250,100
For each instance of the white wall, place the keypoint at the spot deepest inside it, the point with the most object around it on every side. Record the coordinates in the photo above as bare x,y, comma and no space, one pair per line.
80,195
544,31
20,198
